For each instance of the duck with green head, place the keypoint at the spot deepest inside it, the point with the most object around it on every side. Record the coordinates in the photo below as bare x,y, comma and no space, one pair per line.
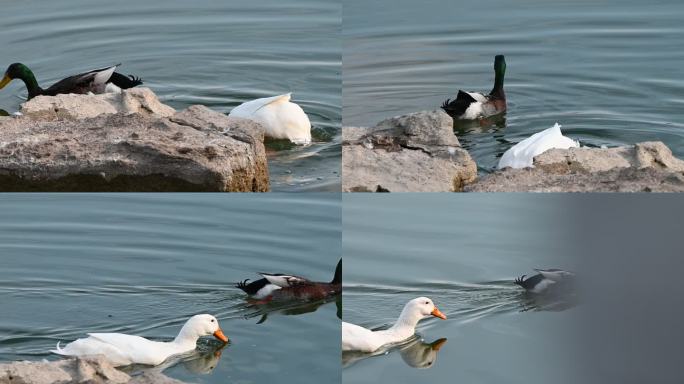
94,81
474,105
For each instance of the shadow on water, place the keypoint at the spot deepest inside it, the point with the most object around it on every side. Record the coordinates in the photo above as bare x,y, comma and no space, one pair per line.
462,303
256,308
201,361
415,352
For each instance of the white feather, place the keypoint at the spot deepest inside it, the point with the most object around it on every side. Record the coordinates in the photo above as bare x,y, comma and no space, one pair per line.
102,77
121,349
281,118
522,154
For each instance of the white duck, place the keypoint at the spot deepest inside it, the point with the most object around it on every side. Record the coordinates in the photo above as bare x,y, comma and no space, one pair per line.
121,349
356,338
281,118
522,154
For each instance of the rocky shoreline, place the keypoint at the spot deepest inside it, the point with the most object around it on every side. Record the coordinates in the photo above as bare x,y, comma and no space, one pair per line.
94,370
128,142
420,153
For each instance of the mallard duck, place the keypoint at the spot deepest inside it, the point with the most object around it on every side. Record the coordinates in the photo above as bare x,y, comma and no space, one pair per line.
281,286
522,154
544,279
281,118
121,349
474,105
357,338
94,81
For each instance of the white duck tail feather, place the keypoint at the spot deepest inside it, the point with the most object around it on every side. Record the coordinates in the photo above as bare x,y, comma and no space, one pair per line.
103,76
58,350
251,107
522,154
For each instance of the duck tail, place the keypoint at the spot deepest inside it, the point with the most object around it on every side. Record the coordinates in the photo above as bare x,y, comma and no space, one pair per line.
125,82
57,349
337,278
242,285
519,280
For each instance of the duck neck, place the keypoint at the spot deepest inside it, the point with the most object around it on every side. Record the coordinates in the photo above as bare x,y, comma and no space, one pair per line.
186,337
337,279
405,325
31,83
499,74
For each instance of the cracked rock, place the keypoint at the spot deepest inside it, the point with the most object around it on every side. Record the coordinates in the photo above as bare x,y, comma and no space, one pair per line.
412,153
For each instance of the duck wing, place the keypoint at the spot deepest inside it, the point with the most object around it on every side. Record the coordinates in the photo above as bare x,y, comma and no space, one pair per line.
284,281
249,108
92,81
139,349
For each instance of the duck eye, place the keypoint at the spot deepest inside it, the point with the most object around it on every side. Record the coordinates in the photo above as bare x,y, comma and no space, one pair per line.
212,320
427,302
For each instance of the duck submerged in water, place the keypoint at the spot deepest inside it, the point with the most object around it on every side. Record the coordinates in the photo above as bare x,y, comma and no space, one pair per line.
281,286
281,118
357,338
475,105
545,280
522,154
95,81
121,349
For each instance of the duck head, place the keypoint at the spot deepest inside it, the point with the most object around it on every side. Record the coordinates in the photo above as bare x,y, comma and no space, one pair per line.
202,325
14,71
424,307
22,72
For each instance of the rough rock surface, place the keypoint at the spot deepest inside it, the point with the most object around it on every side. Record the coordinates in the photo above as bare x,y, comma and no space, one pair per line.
93,370
128,142
140,101
644,167
412,153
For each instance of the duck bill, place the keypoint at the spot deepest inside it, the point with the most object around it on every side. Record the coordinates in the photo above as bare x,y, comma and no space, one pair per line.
437,313
438,344
219,335
5,80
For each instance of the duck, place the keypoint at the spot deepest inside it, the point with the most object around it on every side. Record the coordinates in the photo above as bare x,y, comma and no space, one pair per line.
281,118
476,105
357,338
121,349
95,81
282,286
545,279
522,154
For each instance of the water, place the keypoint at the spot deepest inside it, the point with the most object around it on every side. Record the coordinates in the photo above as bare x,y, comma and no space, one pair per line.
464,254
609,71
143,264
215,53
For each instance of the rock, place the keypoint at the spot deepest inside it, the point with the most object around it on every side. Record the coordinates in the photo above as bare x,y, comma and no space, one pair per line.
134,144
93,370
141,101
413,153
644,167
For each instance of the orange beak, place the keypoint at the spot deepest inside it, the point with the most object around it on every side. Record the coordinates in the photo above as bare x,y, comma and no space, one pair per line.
438,344
219,335
437,313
